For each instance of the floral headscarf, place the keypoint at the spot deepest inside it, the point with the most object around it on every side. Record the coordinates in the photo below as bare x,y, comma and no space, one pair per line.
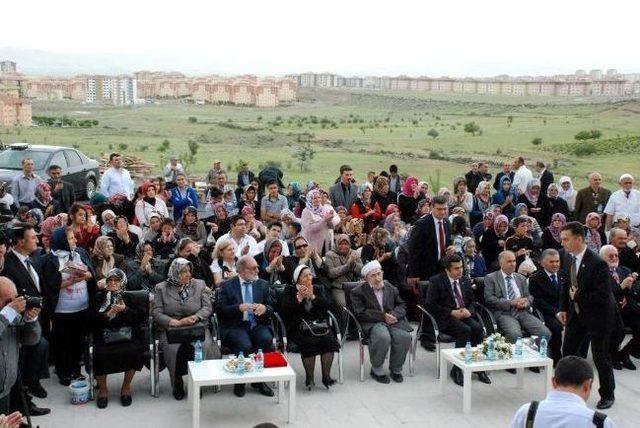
594,241
310,195
534,182
173,276
555,231
407,186
111,295
39,193
482,186
380,184
49,224
36,214
500,219
488,215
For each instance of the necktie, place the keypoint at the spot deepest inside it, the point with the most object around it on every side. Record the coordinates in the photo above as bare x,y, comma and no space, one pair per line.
511,293
554,281
573,278
32,273
441,238
615,275
248,298
458,294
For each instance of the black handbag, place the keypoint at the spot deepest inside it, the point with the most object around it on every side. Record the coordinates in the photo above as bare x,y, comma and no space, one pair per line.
117,335
315,328
186,334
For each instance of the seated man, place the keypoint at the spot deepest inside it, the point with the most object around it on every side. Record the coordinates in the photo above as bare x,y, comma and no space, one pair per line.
245,308
507,294
381,312
450,298
545,286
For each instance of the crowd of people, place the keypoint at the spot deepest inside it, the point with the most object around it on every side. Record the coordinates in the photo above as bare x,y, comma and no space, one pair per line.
544,258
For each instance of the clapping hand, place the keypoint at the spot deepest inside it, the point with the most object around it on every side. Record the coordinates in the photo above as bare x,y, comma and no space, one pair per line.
390,319
14,420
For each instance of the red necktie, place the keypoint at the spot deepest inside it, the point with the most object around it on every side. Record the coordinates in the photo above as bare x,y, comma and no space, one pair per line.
442,239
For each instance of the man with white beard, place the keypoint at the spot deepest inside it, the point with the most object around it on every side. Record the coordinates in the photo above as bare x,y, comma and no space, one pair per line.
382,314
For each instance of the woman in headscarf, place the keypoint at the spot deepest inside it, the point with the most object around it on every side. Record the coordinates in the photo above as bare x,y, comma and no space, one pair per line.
182,301
408,199
594,235
35,218
536,202
191,227
86,232
49,225
108,222
461,196
44,201
382,195
255,227
556,204
219,224
493,240
481,203
317,221
474,264
190,250
342,265
446,193
111,310
149,203
144,271
303,305
380,248
551,234
365,209
505,197
535,231
104,259
271,262
486,223
124,240
223,266
250,199
344,219
68,285
395,227
293,194
568,193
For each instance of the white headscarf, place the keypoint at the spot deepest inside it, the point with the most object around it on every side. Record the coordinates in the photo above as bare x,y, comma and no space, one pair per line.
566,194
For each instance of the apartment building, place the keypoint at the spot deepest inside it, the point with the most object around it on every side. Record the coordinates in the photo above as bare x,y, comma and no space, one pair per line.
14,111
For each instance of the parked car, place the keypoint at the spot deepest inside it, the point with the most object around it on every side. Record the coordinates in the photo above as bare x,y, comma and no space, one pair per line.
77,168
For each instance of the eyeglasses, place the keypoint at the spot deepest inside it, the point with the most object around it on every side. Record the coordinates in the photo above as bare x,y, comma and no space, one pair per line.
299,247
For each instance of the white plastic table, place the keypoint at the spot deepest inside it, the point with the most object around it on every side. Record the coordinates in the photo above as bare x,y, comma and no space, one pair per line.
211,372
452,356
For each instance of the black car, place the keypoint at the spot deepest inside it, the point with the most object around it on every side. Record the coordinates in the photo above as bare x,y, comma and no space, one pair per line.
77,168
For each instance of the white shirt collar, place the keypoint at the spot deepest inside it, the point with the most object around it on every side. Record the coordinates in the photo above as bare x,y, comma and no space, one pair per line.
21,257
505,275
556,395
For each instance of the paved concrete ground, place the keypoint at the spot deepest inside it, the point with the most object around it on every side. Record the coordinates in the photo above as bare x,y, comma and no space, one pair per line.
414,403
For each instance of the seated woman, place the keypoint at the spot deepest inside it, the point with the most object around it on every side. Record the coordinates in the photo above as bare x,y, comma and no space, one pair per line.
555,204
535,231
536,202
492,241
164,245
505,197
255,227
595,237
481,203
551,235
396,228
190,250
223,266
144,271
104,259
380,248
342,265
182,301
474,265
218,223
149,203
191,227
305,312
271,262
111,309
124,240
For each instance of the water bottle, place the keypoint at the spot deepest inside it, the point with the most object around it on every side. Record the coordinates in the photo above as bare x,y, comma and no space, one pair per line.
241,367
468,353
491,353
197,356
259,361
519,346
543,346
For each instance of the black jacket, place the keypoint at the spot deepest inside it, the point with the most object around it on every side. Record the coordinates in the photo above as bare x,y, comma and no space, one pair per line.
545,180
65,197
440,299
423,248
546,296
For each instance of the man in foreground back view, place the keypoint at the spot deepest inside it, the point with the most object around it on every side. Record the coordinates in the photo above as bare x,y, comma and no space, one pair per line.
565,406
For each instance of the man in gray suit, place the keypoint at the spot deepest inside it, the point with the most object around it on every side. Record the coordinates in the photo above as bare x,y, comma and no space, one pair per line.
382,314
344,191
506,293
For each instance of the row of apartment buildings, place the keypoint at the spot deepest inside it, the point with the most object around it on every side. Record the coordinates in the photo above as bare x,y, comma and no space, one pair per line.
593,84
14,110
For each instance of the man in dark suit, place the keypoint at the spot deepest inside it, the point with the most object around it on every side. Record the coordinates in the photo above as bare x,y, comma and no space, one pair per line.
545,176
545,285
344,191
450,298
592,198
245,177
382,315
588,307
62,191
245,308
506,170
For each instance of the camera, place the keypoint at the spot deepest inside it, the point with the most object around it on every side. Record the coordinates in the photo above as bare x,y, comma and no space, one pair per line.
33,301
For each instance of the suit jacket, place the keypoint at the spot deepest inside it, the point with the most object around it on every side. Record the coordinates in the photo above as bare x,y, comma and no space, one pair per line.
441,300
368,311
65,197
11,337
630,295
423,248
495,291
338,197
585,203
594,296
16,271
545,180
251,175
546,296
230,298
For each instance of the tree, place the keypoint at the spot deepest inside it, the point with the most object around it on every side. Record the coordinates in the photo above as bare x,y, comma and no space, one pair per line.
472,128
193,119
594,134
304,155
536,141
433,133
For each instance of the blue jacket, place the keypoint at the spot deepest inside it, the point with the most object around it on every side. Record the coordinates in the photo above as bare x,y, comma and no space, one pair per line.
180,203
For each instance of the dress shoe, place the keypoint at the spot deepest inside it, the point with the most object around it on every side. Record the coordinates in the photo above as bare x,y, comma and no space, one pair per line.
512,371
604,403
616,364
239,389
428,345
328,382
625,360
457,376
263,389
38,411
125,400
397,377
102,402
535,369
309,384
178,392
380,378
484,378
37,390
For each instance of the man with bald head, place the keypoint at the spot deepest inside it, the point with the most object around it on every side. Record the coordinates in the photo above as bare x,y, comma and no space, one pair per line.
592,198
18,326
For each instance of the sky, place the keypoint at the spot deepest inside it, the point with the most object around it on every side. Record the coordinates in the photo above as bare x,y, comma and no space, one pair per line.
387,37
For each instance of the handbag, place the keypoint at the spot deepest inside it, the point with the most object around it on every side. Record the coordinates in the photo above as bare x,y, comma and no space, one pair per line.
117,335
186,334
315,328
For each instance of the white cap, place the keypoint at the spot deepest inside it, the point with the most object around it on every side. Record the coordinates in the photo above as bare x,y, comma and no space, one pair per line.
372,265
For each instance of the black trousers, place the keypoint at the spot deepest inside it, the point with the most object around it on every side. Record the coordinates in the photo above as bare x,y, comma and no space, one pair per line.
574,336
4,405
555,342
466,330
632,321
69,339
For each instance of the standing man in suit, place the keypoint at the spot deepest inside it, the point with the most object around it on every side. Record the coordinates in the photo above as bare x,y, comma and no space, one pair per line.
545,285
382,314
344,191
588,307
451,300
245,308
507,294
593,198
544,175
245,178
506,170
62,191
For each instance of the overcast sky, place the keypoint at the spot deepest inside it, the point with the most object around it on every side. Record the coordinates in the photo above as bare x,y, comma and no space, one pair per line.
433,38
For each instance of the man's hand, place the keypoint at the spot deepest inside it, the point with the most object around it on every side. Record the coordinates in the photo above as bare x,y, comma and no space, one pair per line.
174,323
465,313
31,314
259,309
627,282
522,252
11,421
451,250
562,317
246,307
390,319
413,282
245,250
19,304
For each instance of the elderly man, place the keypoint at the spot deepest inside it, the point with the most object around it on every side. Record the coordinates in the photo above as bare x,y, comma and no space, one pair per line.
627,257
507,294
382,314
521,177
245,308
116,180
624,201
592,198
23,186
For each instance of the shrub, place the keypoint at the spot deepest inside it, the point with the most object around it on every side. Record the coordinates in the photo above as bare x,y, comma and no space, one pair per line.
193,119
433,133
536,141
472,128
586,149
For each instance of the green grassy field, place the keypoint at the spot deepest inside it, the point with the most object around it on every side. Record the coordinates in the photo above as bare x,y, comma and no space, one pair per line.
368,130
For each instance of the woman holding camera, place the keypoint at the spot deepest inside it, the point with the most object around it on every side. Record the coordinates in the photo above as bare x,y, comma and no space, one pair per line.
69,286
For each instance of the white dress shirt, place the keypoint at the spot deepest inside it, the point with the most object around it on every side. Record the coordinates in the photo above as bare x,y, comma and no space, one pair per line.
521,178
620,203
579,258
115,181
239,245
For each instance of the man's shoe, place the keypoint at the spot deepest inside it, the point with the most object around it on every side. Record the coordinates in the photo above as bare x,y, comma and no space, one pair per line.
457,376
239,390
624,359
37,390
102,402
535,369
380,378
38,411
604,404
397,377
616,364
428,345
263,388
484,378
